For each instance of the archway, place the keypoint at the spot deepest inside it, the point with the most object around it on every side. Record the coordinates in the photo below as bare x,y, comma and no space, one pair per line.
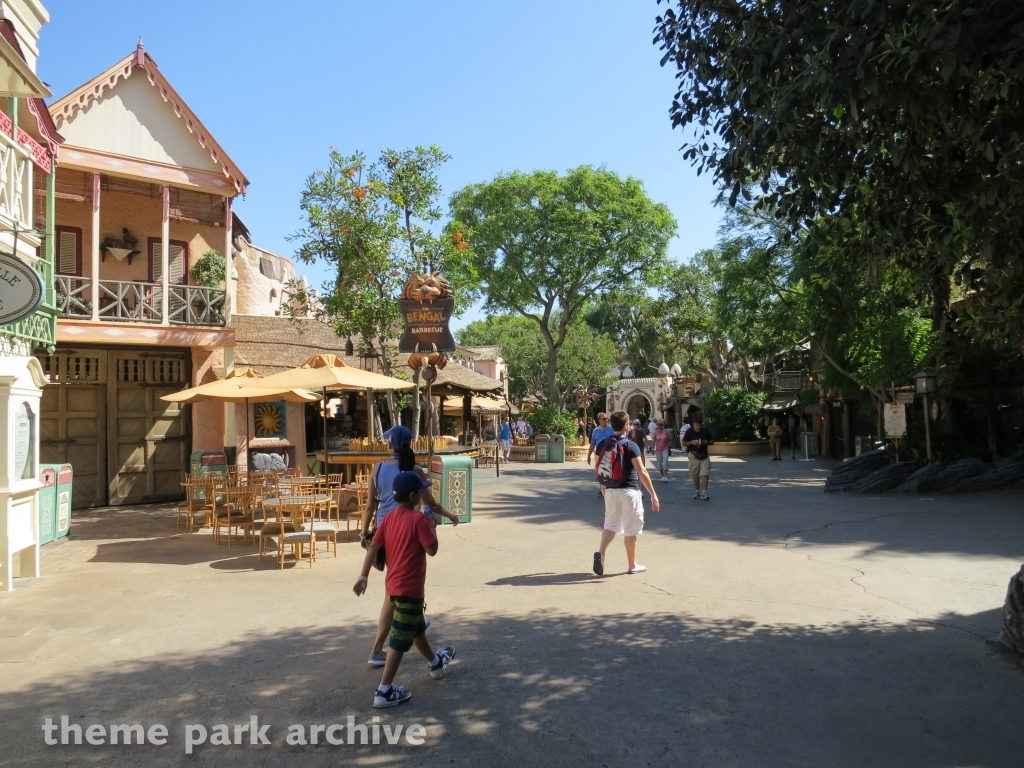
639,406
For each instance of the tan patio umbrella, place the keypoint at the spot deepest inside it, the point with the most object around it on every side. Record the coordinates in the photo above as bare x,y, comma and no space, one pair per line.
242,385
328,372
453,405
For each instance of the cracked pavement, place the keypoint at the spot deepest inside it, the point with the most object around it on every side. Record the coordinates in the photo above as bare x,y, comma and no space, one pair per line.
776,625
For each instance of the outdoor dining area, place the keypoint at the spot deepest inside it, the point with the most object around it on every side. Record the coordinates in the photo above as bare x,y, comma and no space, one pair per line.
278,510
274,507
279,506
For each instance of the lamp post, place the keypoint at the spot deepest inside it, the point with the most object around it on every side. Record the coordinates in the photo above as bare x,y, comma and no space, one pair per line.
924,384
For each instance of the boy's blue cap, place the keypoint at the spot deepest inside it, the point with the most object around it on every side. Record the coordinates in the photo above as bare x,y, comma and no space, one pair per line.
406,483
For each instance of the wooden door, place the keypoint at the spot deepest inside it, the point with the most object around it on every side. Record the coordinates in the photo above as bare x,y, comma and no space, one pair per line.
148,438
72,422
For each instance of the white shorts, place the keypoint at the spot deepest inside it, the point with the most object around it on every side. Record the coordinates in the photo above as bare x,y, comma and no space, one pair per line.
624,511
506,445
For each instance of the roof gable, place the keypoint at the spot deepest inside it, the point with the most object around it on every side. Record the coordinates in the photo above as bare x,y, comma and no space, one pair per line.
132,111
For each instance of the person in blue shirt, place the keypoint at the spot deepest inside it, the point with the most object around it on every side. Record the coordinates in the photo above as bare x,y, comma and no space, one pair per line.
505,437
602,431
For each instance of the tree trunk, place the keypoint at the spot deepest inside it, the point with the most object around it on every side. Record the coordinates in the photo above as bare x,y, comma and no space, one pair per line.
550,373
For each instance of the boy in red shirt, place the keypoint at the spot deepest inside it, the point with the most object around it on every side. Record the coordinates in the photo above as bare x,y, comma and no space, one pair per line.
407,537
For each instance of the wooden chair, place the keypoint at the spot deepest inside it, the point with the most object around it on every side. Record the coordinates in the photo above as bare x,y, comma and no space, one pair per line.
295,508
321,530
197,502
235,513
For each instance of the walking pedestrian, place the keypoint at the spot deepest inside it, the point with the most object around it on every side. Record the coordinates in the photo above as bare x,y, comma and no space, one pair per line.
696,440
775,439
407,537
601,431
652,427
380,502
505,437
639,436
662,449
620,470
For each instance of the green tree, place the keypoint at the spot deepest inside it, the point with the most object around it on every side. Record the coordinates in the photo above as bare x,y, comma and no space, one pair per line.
546,244
584,359
733,413
899,121
373,225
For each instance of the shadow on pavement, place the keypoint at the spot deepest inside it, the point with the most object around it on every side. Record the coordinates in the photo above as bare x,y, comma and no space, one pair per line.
545,580
757,502
553,689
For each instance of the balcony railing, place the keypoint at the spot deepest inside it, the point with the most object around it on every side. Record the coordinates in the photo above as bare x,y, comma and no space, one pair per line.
15,182
73,296
196,305
128,301
135,302
786,381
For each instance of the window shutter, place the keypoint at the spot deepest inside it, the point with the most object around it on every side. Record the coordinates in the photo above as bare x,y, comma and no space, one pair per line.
176,266
155,254
68,257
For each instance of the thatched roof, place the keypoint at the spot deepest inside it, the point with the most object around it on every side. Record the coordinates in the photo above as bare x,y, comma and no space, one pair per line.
489,352
273,344
270,345
454,379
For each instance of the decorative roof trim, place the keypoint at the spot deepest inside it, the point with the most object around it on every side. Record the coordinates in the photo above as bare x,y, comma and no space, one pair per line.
82,97
146,170
36,107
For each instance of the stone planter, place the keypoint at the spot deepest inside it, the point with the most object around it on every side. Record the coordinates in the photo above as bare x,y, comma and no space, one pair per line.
576,453
521,453
751,448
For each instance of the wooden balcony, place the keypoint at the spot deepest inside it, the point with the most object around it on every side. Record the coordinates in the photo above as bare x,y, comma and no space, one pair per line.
140,302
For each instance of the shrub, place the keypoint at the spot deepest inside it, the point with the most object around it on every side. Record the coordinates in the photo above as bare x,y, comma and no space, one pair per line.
550,421
209,270
734,414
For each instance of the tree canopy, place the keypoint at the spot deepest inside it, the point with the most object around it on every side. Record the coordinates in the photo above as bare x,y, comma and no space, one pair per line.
899,121
373,223
583,360
546,244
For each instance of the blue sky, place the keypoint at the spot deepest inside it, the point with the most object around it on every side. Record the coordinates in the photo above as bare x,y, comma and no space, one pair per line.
499,86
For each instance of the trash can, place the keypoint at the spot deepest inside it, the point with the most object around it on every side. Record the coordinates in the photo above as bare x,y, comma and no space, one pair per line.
556,449
862,443
452,478
54,501
209,463
540,448
809,446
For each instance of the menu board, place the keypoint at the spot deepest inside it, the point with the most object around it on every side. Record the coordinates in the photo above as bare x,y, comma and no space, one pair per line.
24,443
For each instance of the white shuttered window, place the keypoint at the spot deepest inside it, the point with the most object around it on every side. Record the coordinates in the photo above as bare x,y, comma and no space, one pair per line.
175,264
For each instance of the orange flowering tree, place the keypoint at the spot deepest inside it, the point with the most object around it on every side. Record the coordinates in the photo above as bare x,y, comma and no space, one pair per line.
374,224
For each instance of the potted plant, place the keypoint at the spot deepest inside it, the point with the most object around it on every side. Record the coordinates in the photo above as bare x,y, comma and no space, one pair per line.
736,420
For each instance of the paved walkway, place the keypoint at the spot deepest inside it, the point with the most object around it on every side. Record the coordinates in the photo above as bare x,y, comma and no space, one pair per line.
776,626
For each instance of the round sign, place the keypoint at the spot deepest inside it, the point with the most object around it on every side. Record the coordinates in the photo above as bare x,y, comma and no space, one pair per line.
21,289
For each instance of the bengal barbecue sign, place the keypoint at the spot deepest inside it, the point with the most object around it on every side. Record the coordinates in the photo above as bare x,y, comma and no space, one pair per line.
426,306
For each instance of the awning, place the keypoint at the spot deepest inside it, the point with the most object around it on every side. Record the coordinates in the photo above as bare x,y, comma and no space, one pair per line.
453,405
16,77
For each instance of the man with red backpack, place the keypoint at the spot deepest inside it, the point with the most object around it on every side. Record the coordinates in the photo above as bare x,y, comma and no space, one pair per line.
620,470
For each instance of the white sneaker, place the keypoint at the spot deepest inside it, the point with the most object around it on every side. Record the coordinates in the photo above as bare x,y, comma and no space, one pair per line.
696,494
704,495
